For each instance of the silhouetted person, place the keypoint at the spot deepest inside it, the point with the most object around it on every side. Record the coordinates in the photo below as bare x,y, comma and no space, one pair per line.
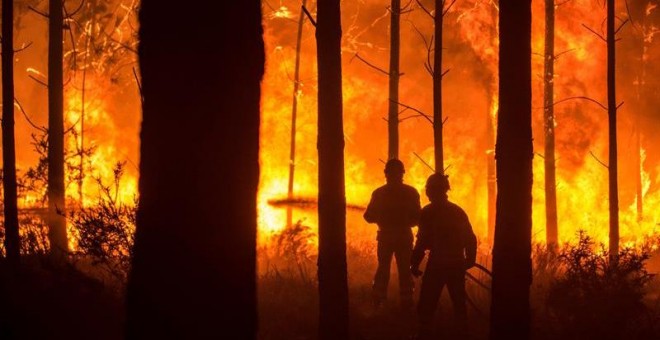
395,208
444,230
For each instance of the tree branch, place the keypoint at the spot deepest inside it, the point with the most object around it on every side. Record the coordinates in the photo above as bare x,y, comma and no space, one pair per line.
448,8
414,109
38,12
371,65
583,98
598,160
25,47
309,16
594,32
423,161
419,3
20,107
38,80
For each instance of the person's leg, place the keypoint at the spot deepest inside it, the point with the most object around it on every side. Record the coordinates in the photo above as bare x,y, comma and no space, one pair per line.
382,276
429,295
456,287
402,254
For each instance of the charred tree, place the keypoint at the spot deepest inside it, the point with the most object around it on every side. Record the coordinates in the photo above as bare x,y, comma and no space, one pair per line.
549,126
437,88
12,240
611,113
193,272
393,105
56,190
332,275
512,269
294,113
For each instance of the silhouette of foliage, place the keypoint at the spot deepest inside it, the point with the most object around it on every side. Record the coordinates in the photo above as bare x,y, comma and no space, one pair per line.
596,297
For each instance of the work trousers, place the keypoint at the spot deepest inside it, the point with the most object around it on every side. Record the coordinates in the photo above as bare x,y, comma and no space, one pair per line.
399,246
434,280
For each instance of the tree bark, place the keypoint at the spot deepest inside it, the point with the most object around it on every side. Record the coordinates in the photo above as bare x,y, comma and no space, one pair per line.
194,264
393,105
512,270
549,126
294,113
333,286
437,89
611,113
57,234
12,240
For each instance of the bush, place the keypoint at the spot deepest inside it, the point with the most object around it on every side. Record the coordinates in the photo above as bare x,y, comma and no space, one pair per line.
598,297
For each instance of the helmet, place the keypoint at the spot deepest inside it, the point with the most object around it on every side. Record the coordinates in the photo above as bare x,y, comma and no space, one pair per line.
439,181
394,165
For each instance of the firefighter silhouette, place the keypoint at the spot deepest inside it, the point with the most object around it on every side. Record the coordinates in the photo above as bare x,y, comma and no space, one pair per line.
445,231
395,208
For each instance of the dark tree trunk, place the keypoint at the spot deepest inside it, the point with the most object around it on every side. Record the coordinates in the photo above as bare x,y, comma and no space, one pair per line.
294,113
193,272
492,173
56,201
333,285
12,241
549,125
393,108
611,112
437,89
512,270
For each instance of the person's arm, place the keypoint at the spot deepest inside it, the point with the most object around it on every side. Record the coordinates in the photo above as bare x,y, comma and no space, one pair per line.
422,244
416,209
470,242
372,213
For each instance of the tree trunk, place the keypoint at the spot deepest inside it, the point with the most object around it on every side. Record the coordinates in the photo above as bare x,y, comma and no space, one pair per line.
512,270
611,112
492,173
437,89
294,113
549,125
193,270
56,201
12,240
393,111
333,286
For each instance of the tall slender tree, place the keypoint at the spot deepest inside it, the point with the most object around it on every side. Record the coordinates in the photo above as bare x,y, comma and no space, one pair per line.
12,240
193,272
294,112
549,126
333,285
437,88
393,105
512,270
611,113
56,202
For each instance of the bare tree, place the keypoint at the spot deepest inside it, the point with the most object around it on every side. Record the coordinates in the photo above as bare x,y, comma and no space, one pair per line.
193,271
549,125
611,114
333,285
12,240
56,189
393,105
294,113
512,269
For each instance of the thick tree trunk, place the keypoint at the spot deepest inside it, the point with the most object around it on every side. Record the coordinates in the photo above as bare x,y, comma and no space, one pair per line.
512,270
551,232
333,286
193,272
611,112
492,173
393,105
437,89
294,114
56,190
12,240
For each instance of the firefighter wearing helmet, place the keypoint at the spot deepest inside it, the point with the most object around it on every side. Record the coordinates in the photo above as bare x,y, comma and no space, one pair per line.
395,208
445,231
